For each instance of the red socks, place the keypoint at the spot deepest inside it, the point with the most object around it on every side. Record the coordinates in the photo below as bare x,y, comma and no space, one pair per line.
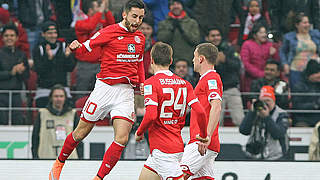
68,147
110,159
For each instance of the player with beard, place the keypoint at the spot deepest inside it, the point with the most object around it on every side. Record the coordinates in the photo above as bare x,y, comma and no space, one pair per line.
122,48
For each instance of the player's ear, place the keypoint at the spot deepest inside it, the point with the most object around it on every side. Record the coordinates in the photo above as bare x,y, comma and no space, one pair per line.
201,58
171,60
152,61
124,14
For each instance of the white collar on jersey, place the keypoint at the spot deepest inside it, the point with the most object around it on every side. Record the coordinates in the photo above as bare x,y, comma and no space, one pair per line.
211,70
120,24
166,72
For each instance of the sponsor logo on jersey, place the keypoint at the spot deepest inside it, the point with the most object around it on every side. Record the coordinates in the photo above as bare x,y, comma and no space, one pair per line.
131,48
214,95
120,37
137,39
148,90
212,84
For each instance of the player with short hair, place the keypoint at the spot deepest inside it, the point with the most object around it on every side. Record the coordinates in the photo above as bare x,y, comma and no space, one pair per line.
121,47
209,91
166,98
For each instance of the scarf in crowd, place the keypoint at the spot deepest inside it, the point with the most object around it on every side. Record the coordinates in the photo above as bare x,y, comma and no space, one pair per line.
249,24
182,15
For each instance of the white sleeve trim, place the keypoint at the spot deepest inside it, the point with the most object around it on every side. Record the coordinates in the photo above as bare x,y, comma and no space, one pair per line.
140,59
193,101
87,45
213,96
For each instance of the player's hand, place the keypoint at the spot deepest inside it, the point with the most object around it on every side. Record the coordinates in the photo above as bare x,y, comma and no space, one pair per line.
203,144
142,89
49,52
75,45
138,138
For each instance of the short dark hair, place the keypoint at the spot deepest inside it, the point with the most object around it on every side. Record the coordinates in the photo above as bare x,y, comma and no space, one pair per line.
256,28
272,61
214,28
133,3
209,51
10,26
161,53
87,4
178,60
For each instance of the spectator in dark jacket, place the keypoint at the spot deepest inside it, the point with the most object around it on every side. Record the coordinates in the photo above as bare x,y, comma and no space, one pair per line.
310,83
228,66
14,71
32,13
267,125
272,78
99,17
52,61
180,31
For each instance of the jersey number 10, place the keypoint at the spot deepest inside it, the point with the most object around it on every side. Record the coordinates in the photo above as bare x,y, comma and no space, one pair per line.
174,101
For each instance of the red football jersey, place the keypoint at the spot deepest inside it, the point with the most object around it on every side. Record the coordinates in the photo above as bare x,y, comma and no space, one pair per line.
208,88
122,54
171,94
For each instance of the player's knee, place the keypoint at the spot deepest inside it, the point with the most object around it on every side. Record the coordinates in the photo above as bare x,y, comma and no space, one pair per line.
122,139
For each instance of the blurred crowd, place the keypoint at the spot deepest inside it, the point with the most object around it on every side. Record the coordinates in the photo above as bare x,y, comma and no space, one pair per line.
261,43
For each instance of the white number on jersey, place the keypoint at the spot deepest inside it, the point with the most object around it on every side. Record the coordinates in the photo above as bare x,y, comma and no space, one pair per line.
174,101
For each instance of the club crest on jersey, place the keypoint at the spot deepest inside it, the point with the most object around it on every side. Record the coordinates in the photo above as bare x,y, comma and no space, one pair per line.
137,39
131,48
212,84
148,90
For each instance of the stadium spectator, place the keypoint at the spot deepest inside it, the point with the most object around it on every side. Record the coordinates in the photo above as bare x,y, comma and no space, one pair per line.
147,30
253,15
217,13
254,53
122,47
32,13
272,78
314,147
22,42
99,17
280,10
266,124
14,71
310,83
180,31
164,126
298,48
209,92
53,124
228,66
181,68
52,61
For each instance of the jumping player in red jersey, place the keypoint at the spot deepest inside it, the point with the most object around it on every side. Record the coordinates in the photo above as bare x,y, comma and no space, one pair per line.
209,91
122,48
166,98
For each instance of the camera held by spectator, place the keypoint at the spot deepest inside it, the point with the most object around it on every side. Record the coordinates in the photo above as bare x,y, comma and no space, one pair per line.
266,124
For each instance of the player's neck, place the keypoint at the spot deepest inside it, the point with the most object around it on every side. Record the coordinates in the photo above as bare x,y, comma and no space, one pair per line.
160,68
206,68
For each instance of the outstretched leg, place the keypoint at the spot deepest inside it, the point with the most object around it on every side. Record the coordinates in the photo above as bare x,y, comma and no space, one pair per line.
71,142
122,129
